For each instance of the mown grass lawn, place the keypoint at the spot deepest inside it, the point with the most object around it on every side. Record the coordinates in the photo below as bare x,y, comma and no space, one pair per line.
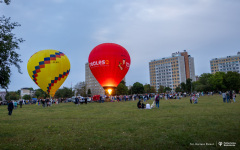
177,124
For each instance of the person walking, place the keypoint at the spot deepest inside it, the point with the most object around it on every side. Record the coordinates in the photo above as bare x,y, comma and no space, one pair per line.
10,108
157,101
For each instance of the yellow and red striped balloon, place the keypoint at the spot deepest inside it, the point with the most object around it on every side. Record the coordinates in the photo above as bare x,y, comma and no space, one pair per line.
48,69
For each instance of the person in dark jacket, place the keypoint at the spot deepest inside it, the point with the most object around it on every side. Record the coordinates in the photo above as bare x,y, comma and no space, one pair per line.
76,101
139,105
230,96
21,103
157,101
10,108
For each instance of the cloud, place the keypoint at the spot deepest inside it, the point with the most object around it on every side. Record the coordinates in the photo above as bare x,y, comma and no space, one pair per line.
147,29
155,29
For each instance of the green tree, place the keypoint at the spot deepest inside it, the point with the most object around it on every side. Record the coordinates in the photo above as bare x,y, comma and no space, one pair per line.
161,89
64,93
178,89
204,82
146,88
59,93
152,89
12,96
26,97
189,85
217,81
149,89
122,89
137,88
6,1
81,89
40,94
0,98
89,93
183,87
232,81
8,44
167,89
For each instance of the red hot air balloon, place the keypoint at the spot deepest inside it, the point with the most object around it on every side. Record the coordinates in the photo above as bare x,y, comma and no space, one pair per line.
109,64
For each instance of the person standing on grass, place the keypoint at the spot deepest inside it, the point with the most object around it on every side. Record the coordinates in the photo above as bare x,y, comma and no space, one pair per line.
157,101
228,96
224,97
76,101
15,104
234,97
43,102
21,103
10,108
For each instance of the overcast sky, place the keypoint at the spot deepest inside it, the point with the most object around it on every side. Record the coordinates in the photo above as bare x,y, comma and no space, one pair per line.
148,29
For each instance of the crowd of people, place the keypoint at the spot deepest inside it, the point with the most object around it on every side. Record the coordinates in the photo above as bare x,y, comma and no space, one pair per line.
229,97
143,99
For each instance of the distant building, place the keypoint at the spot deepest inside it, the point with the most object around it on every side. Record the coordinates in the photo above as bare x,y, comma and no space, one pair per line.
92,83
171,71
225,64
2,95
27,91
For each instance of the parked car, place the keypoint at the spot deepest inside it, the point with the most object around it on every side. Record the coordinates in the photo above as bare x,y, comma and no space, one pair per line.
73,98
3,102
82,100
69,100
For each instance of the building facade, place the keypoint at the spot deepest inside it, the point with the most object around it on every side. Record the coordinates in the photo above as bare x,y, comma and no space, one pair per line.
2,95
225,64
171,71
92,83
27,91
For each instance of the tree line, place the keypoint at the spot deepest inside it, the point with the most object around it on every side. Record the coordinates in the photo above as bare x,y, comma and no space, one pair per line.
220,81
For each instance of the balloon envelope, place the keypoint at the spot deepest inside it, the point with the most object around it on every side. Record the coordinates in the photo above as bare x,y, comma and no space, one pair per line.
109,64
48,69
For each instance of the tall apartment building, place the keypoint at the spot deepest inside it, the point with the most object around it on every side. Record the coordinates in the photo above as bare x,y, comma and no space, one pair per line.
171,71
225,64
92,83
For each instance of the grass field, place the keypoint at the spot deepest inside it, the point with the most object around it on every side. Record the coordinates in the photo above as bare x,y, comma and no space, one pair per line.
177,124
